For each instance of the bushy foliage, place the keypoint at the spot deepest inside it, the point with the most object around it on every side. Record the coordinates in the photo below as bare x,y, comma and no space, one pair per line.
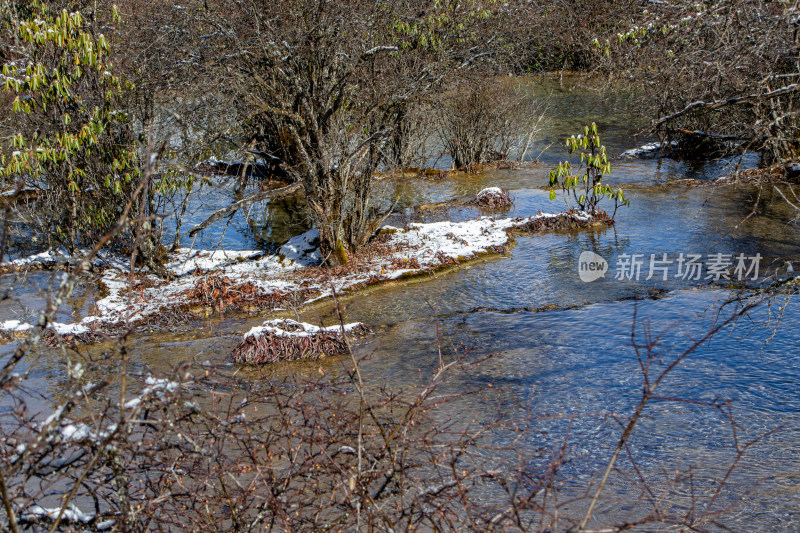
586,189
72,141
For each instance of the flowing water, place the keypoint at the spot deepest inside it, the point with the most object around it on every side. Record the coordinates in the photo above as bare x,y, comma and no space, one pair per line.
562,347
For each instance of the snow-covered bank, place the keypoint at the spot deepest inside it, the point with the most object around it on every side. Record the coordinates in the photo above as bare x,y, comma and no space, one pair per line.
48,259
209,280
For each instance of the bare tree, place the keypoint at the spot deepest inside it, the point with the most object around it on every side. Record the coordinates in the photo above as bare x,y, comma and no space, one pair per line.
478,121
714,76
329,97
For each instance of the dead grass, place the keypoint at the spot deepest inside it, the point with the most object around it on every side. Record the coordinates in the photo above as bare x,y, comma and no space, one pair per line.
270,347
501,200
565,221
219,293
754,176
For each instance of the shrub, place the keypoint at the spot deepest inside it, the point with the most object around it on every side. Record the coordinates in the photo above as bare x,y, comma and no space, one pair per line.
487,121
71,138
586,190
493,198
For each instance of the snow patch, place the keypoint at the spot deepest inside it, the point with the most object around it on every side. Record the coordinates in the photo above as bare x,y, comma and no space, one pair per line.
489,191
154,385
185,260
648,149
303,249
68,329
292,328
71,514
76,433
43,258
14,325
14,191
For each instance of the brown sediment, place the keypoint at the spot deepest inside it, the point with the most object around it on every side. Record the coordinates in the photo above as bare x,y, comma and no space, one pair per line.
412,172
774,174
13,196
777,173
435,173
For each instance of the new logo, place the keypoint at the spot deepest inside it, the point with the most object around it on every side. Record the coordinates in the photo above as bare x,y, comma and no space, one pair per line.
591,267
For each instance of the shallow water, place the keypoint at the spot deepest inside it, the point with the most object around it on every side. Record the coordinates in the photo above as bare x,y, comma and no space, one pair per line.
576,363
23,296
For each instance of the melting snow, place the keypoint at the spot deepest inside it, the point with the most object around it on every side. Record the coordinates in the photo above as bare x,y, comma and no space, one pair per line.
154,385
489,191
422,247
76,433
303,248
71,514
296,329
68,329
647,149
14,325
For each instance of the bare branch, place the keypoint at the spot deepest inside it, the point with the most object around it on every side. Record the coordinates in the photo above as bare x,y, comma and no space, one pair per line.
244,202
722,103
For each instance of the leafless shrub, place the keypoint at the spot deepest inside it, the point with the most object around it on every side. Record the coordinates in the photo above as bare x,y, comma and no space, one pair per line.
409,146
487,120
717,78
220,293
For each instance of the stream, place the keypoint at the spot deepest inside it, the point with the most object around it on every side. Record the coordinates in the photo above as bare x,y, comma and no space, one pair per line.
562,355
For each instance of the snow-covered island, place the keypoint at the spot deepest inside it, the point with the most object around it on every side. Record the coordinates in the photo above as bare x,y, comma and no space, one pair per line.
209,281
